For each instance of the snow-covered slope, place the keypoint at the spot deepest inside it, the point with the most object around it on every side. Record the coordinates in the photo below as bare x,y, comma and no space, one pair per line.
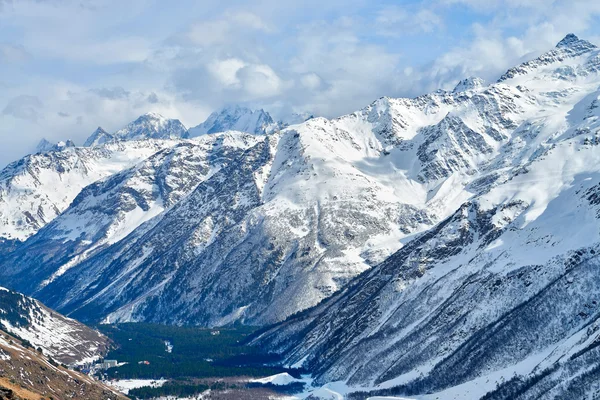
236,118
499,300
37,188
108,210
65,340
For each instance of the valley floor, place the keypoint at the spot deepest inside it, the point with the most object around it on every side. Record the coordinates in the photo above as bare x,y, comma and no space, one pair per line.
170,362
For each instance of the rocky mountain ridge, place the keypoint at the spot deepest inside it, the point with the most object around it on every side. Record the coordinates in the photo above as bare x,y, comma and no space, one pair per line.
427,230
499,300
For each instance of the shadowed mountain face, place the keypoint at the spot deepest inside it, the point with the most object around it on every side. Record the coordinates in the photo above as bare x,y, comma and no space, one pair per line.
439,234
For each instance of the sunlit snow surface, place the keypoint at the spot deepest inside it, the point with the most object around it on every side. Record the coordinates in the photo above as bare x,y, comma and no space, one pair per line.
504,289
125,385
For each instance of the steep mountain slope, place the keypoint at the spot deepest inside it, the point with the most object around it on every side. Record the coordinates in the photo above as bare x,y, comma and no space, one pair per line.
236,118
65,340
37,188
27,374
498,301
109,210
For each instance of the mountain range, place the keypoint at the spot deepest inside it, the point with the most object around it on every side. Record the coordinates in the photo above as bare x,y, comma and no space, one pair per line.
436,247
500,299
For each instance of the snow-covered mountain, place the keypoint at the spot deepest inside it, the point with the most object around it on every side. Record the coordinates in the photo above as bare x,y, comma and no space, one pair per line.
438,235
297,213
500,299
45,146
236,118
100,136
37,188
65,340
107,211
148,126
152,126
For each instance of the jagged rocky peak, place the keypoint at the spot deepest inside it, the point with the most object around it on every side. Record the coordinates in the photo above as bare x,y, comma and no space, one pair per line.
100,136
46,146
469,83
236,118
568,48
573,42
152,126
148,126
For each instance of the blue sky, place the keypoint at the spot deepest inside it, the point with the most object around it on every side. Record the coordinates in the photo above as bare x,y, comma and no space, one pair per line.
68,66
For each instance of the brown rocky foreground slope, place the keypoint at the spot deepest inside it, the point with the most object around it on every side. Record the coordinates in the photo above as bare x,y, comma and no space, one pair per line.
26,374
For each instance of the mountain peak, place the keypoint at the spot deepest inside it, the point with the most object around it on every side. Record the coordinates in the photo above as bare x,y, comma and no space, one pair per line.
235,118
64,144
568,40
152,115
469,83
99,136
569,47
571,41
45,146
152,126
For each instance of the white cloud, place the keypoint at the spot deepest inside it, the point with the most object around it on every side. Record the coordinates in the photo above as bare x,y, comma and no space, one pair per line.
225,71
113,93
260,81
311,81
209,33
225,29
